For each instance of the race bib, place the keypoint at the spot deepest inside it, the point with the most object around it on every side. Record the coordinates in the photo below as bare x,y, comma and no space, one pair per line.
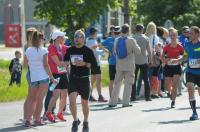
61,69
75,58
172,64
194,63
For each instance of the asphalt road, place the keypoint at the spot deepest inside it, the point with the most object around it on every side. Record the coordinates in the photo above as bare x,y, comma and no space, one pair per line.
154,116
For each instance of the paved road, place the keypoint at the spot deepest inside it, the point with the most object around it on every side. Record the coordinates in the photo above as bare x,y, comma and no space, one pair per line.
8,53
155,116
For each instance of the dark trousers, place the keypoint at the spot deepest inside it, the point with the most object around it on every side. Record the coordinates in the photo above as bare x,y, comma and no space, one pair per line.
15,78
144,72
47,100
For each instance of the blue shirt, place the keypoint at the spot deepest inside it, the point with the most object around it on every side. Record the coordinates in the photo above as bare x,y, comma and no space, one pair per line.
109,44
193,52
183,40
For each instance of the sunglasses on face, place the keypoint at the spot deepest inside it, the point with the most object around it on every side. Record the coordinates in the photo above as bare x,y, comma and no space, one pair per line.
78,36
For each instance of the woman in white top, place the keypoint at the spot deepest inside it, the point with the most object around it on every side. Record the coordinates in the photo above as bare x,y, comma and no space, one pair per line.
36,59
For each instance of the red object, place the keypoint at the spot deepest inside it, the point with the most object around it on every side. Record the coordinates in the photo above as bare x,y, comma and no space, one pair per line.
173,53
13,35
53,51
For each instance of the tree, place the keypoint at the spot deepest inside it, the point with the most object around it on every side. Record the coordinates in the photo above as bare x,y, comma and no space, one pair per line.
72,14
181,12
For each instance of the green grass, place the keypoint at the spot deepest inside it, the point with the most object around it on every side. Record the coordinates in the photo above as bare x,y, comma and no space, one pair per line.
13,93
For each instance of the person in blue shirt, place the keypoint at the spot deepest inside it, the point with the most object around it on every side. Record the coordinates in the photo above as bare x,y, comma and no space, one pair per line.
192,49
108,43
183,37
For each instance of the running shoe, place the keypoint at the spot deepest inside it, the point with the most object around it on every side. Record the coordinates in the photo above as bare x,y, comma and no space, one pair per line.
194,117
102,99
60,117
50,117
85,127
75,125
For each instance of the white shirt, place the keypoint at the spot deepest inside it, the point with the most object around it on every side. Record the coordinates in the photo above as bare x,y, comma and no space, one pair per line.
97,52
35,61
153,41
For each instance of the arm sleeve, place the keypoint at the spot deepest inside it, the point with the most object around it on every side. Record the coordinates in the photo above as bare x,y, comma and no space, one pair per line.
67,55
10,66
92,60
136,47
52,51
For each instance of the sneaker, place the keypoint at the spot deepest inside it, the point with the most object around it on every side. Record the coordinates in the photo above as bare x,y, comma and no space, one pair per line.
85,127
148,99
44,117
75,125
111,106
27,123
60,117
39,123
173,104
194,117
133,98
66,112
153,96
119,101
102,99
127,105
50,117
92,99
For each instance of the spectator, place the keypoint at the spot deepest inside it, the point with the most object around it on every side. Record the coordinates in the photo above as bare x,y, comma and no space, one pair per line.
141,61
92,43
15,69
36,59
125,67
56,53
183,37
109,45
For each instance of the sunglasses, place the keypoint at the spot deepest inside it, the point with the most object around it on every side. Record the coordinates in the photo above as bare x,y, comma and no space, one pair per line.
78,36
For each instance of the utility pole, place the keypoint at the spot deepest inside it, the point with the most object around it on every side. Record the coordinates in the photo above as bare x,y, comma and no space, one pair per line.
22,23
126,11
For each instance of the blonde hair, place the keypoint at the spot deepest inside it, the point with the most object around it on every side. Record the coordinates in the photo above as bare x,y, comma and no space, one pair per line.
151,29
173,30
29,35
165,31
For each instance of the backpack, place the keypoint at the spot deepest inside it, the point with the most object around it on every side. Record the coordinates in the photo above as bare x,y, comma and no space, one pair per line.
121,49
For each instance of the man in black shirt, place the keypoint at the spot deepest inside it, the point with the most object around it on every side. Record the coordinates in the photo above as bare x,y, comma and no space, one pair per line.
81,59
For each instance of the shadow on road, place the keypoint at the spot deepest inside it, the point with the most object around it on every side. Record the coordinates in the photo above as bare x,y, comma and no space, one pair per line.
17,127
174,122
104,106
158,109
187,108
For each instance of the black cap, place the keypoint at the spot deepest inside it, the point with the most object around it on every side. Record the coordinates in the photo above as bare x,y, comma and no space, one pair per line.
139,27
117,29
93,30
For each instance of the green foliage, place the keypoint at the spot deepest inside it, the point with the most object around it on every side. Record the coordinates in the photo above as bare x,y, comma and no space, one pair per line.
72,14
181,12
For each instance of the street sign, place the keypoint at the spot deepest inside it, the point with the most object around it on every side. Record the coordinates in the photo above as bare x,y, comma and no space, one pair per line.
12,35
168,24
